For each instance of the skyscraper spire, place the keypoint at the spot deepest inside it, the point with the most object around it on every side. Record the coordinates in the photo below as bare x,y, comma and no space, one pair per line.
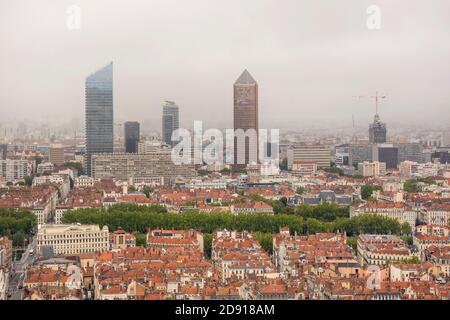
245,78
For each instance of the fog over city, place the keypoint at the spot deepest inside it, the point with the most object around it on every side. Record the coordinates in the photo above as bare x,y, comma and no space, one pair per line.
310,58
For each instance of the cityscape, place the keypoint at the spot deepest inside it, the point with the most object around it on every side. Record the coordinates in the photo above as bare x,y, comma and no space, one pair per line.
172,208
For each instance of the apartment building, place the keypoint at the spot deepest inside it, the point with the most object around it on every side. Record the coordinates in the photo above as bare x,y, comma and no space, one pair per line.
440,257
394,210
436,214
175,238
293,254
304,167
5,252
238,255
84,181
404,272
372,169
41,200
410,169
13,170
154,167
252,207
381,249
45,167
207,184
120,239
427,236
62,181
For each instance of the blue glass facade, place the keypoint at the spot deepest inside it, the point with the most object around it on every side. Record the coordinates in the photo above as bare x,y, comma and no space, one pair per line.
99,114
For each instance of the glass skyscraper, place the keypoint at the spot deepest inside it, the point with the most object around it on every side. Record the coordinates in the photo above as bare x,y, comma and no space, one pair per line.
99,114
132,134
3,151
170,121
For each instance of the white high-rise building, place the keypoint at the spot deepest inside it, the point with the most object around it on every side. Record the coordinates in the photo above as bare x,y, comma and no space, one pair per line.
372,169
13,170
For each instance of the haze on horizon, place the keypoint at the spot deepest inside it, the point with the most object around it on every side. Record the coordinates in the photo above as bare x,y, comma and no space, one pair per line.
309,57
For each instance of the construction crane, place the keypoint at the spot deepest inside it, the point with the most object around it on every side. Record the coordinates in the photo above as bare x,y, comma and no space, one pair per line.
353,128
376,97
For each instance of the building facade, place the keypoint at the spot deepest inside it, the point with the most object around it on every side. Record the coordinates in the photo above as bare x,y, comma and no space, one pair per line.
373,249
170,121
386,153
157,166
132,133
99,114
56,155
359,153
13,170
3,151
318,154
73,238
410,152
245,117
371,169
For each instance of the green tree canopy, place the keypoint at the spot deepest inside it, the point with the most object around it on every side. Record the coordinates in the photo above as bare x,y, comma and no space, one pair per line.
141,218
17,224
76,165
368,189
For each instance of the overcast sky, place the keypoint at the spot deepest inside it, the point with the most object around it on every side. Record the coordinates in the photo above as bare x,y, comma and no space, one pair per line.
309,57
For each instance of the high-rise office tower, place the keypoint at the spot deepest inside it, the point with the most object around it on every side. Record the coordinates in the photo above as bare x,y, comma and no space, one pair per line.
170,121
3,151
377,131
131,129
386,153
99,114
245,116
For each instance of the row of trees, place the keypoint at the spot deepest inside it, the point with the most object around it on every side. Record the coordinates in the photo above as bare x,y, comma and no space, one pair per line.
324,212
140,218
327,211
17,225
76,165
265,239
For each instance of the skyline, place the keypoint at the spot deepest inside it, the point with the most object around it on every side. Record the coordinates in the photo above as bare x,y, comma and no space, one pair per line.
224,155
304,77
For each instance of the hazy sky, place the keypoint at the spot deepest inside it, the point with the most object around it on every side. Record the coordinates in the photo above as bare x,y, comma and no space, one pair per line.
309,57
